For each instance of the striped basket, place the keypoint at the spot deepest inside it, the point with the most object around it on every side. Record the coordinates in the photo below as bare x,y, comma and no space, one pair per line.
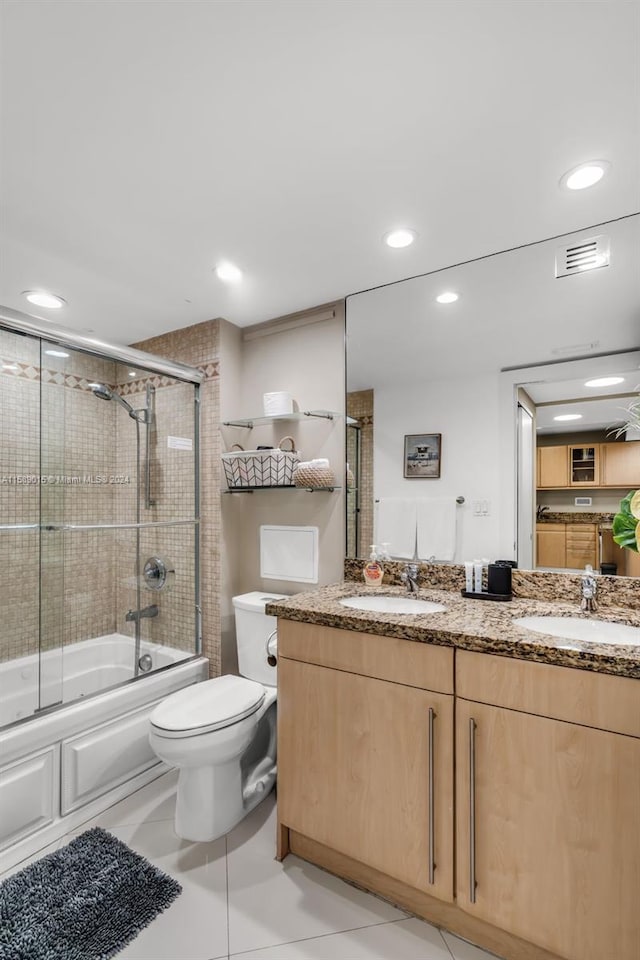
245,469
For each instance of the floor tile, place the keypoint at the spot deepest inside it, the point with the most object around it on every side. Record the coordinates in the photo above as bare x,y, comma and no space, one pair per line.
410,939
273,903
462,950
194,927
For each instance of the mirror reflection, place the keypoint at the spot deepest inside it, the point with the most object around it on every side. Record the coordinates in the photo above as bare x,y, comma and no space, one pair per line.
486,357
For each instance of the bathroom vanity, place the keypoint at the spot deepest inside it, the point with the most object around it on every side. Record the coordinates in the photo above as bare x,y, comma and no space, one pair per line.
476,773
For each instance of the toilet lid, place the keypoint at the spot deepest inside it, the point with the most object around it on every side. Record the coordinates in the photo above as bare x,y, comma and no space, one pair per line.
207,706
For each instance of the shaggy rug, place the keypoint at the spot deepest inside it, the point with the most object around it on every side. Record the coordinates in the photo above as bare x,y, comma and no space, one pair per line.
85,901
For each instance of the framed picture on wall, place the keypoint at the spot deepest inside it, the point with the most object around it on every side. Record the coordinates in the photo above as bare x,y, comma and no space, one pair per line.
422,453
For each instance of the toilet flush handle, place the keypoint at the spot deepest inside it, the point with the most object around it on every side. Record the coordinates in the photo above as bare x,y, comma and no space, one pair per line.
271,648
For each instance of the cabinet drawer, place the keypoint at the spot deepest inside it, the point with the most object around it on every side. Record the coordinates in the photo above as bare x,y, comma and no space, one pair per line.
581,531
577,696
385,658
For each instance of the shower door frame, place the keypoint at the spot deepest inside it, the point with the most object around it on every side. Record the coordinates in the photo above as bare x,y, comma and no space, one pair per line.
21,323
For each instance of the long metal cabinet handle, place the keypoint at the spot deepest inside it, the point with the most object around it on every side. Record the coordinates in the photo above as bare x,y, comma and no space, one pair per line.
472,810
432,865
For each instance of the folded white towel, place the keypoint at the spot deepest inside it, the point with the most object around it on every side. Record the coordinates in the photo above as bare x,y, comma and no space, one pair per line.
396,525
436,522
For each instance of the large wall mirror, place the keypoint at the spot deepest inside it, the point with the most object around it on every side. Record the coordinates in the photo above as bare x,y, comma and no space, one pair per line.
472,430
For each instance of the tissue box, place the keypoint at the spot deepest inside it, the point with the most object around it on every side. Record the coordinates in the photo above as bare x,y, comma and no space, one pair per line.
277,404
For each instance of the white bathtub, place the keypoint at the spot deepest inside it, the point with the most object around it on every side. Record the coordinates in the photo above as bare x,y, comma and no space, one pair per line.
66,765
75,671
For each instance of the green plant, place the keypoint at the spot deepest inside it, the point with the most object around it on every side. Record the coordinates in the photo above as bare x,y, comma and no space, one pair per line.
626,523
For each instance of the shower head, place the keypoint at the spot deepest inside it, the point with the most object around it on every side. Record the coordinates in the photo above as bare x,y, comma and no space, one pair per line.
103,392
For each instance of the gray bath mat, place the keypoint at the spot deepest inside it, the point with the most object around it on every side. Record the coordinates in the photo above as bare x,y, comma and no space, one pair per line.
85,901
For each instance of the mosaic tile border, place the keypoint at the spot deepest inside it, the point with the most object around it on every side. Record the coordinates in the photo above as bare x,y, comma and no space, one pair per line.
18,370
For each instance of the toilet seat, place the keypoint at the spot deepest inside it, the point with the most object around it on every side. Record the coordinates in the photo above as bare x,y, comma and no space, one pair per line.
207,706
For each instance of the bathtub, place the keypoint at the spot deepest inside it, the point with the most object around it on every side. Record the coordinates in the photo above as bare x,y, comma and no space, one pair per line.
64,765
75,671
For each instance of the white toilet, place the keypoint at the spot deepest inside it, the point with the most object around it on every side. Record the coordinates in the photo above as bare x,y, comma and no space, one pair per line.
221,734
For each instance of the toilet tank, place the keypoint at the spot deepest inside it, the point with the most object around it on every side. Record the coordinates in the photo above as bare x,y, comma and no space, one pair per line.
253,629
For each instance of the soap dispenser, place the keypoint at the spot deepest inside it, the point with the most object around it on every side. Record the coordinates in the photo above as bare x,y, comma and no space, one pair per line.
373,572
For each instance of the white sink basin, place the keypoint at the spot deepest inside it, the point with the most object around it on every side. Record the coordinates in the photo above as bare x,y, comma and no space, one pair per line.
575,628
392,605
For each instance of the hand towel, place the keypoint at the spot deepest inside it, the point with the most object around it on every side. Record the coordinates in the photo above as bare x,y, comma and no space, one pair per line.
436,523
396,525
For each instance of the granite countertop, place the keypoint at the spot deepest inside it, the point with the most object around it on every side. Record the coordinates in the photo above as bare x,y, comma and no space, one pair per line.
567,516
479,625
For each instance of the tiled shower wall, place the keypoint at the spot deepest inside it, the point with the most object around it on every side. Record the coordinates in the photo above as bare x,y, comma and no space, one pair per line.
360,408
198,345
59,587
172,493
81,583
19,503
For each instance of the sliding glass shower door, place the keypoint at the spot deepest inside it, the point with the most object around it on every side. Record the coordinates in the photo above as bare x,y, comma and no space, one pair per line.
98,523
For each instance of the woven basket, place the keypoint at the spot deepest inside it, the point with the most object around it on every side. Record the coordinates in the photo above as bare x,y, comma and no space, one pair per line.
260,468
314,477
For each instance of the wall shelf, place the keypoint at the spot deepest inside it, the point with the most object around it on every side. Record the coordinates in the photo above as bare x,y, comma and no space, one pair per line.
251,422
291,486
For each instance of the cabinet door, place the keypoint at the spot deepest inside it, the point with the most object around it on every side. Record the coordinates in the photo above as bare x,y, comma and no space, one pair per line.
584,466
582,545
550,545
549,824
553,465
621,464
356,772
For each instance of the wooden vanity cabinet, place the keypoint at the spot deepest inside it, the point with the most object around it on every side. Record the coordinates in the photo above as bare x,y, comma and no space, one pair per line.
365,751
548,821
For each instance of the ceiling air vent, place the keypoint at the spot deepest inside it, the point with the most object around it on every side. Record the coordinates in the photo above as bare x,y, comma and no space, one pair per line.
581,255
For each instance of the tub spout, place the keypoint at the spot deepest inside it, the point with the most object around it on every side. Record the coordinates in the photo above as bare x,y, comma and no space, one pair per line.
146,613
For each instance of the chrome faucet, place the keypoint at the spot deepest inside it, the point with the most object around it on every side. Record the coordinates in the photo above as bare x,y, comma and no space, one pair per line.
409,576
589,591
146,613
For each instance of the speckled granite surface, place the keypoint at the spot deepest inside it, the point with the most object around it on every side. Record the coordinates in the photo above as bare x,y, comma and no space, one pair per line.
478,625
566,516
613,592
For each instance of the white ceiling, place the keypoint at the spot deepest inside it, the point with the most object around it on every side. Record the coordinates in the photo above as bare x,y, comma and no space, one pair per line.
511,312
144,141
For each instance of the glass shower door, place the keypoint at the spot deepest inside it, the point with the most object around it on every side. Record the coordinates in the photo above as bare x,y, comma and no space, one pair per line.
19,526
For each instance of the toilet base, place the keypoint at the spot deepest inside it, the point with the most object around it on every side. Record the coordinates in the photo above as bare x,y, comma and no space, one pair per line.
212,800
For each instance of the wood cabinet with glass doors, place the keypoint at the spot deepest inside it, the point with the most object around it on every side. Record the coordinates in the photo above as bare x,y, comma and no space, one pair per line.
595,465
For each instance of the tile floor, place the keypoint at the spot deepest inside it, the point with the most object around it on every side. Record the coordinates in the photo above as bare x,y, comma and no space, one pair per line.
239,902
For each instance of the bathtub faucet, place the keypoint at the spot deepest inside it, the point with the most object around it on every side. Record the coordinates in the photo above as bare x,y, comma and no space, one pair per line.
145,613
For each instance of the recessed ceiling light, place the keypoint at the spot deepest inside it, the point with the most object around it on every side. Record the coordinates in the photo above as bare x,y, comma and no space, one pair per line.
604,382
9,366
400,238
228,272
569,416
56,353
132,373
448,297
43,299
585,175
